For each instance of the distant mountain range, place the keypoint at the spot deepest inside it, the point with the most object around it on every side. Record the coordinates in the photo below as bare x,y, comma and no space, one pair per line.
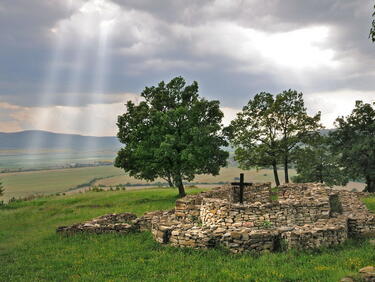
44,140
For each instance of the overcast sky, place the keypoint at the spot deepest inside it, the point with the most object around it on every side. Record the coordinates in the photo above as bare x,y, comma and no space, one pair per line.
70,65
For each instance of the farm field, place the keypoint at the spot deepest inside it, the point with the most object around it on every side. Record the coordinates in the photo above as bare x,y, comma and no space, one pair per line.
31,250
42,159
23,184
227,174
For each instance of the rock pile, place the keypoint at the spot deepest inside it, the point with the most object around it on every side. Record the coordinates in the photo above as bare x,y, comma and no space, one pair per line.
301,216
110,223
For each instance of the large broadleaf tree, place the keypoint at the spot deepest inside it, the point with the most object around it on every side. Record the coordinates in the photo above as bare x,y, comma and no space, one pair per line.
354,141
173,134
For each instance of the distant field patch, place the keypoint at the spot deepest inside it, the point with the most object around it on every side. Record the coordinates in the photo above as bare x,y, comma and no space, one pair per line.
227,174
22,184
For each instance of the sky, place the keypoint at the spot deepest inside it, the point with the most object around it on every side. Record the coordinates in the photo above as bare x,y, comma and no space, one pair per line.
69,66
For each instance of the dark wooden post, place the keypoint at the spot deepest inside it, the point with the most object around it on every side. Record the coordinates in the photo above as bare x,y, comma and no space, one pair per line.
242,184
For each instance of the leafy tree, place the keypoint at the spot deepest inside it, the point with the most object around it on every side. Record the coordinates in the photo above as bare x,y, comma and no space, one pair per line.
254,134
269,128
315,162
354,140
173,134
294,124
372,30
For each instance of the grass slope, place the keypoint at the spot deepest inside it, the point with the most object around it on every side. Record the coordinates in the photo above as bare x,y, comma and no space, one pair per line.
30,250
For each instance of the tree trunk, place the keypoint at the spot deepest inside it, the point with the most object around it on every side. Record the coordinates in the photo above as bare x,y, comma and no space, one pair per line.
286,173
370,187
320,172
180,186
275,173
170,182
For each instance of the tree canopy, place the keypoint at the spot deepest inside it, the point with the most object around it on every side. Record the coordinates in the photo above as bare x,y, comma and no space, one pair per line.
254,134
269,128
293,124
315,162
354,141
173,134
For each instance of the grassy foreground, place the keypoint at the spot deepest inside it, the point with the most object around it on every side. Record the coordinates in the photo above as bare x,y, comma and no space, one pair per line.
30,250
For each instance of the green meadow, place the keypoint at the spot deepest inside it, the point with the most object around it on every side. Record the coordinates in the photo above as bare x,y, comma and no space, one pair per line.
30,250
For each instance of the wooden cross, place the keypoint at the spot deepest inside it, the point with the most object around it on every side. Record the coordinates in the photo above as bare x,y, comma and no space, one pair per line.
241,184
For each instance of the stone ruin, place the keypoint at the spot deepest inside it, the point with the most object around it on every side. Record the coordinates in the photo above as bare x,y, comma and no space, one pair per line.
299,216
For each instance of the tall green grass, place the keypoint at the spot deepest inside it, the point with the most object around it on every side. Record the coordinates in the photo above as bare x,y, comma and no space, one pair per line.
30,250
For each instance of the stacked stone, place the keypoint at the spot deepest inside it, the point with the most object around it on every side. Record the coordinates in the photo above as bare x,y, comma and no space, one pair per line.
111,223
361,226
361,222
322,233
257,215
192,236
149,219
245,239
257,192
351,203
188,208
162,232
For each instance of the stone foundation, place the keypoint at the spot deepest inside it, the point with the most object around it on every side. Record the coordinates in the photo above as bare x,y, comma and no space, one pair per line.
298,216
111,223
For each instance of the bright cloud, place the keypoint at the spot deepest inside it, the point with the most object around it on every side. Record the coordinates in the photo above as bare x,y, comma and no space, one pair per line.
300,49
337,103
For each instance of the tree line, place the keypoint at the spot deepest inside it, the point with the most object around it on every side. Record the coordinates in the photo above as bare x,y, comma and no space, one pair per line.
175,134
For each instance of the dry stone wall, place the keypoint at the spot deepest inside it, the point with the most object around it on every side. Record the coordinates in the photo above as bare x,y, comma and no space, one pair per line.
258,192
302,216
259,215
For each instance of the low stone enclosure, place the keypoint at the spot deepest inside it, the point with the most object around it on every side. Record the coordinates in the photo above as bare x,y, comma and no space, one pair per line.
301,216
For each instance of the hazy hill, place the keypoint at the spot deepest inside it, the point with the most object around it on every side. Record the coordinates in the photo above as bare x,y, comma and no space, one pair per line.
44,140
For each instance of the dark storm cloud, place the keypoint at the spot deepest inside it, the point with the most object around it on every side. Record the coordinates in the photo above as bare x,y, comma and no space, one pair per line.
157,40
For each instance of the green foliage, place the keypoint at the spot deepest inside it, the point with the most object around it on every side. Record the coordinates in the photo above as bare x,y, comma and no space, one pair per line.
267,224
269,128
370,203
294,125
315,162
354,141
254,134
174,134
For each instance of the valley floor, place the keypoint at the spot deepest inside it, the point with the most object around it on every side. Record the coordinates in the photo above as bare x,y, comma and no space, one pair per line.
73,180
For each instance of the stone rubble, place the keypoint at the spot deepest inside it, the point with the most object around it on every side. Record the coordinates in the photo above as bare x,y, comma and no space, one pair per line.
299,216
110,223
